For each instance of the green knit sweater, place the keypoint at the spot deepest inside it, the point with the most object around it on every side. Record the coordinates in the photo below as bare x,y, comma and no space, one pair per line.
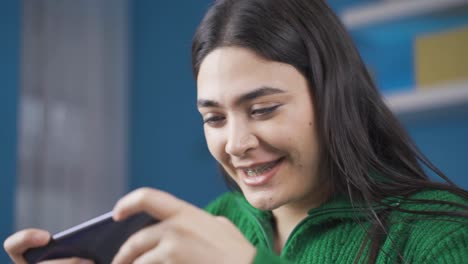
332,234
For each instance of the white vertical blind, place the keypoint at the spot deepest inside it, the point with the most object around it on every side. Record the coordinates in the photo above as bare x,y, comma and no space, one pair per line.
73,111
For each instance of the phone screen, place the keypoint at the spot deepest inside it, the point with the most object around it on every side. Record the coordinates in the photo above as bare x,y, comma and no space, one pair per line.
98,239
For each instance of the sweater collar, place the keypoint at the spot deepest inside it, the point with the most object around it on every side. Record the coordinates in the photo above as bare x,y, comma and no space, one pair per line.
340,208
336,208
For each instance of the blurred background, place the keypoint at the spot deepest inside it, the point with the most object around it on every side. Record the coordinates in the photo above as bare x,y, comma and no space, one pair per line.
97,98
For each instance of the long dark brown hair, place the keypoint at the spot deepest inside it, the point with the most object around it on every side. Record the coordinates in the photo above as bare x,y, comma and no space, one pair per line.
366,154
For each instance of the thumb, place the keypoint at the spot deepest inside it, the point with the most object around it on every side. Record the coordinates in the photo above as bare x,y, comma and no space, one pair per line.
159,204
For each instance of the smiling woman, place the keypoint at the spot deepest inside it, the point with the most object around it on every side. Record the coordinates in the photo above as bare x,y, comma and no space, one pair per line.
321,170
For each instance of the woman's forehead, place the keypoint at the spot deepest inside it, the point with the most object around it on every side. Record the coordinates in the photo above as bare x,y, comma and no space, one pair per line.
231,71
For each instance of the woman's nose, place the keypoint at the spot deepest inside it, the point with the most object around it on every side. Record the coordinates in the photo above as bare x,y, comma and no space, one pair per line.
240,140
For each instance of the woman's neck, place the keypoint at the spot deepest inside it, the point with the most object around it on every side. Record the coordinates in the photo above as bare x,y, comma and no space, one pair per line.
285,221
287,217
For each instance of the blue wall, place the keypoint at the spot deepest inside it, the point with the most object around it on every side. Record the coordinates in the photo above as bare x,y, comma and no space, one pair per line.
9,75
167,147
443,137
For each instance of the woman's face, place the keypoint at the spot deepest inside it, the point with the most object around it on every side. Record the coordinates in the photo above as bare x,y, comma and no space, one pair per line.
259,125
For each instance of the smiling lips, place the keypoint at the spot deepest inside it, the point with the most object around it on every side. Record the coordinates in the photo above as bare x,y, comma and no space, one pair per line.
260,174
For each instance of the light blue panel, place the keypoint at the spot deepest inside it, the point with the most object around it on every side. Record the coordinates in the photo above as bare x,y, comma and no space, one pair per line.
9,75
340,5
388,57
167,147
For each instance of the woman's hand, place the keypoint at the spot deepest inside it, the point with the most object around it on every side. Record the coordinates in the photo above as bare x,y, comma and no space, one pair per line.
18,243
186,234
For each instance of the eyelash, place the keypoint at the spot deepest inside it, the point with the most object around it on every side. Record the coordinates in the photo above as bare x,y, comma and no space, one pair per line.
256,112
213,119
264,111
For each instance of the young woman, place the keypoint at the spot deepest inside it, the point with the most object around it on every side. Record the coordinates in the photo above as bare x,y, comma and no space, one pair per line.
322,171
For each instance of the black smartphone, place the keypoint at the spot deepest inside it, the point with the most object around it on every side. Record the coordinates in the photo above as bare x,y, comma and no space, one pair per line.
98,239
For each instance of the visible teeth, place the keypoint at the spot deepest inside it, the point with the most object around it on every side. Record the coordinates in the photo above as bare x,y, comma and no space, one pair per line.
260,169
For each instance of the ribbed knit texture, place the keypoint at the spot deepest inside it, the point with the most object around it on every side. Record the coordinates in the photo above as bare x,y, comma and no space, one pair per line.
331,233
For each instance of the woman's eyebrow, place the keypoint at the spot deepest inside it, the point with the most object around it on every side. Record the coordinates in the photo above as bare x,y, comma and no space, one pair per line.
207,103
243,98
259,92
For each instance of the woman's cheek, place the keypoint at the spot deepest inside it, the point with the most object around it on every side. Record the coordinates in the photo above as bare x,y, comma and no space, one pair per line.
215,144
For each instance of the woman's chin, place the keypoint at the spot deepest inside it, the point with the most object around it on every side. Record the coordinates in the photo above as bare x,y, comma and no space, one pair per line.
263,202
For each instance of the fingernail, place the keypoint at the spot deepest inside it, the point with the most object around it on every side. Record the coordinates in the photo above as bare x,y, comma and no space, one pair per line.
86,261
116,217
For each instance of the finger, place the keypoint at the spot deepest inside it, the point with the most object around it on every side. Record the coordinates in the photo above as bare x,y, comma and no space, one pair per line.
155,256
68,261
139,243
161,205
18,243
223,219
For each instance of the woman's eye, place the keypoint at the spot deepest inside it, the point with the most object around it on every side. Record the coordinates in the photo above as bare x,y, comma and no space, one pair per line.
214,120
264,111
